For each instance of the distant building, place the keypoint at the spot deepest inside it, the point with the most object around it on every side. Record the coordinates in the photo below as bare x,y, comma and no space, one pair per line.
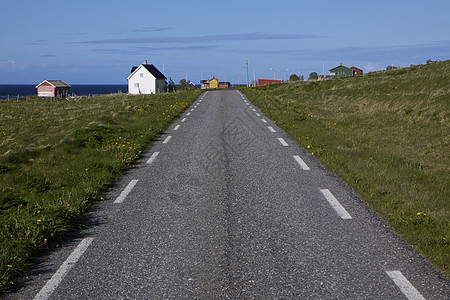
356,71
53,88
224,85
262,82
191,85
204,84
342,71
146,79
214,83
210,84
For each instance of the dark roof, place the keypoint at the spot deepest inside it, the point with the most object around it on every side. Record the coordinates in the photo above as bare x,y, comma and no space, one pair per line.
153,70
340,67
58,83
55,83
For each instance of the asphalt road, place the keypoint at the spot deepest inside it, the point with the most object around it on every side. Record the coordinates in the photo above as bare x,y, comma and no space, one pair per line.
226,206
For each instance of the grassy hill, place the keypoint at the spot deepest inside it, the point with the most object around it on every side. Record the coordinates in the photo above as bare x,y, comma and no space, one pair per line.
387,135
57,156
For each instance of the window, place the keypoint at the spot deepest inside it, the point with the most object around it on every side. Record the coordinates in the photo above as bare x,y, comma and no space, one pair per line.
136,85
142,74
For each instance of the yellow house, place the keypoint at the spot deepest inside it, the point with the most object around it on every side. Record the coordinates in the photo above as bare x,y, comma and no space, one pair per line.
214,83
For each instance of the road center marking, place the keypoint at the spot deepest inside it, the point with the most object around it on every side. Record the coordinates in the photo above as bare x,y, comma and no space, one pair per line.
405,286
263,120
176,127
126,191
152,158
283,142
271,129
258,115
56,279
184,119
302,164
336,205
167,139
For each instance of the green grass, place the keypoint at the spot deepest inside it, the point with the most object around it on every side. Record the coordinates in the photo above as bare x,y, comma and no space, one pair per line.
387,135
58,156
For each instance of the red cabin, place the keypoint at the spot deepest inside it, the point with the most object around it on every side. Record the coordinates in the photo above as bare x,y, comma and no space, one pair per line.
53,88
224,85
356,71
262,82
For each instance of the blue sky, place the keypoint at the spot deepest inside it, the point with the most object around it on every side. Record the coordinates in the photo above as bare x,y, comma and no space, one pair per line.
97,42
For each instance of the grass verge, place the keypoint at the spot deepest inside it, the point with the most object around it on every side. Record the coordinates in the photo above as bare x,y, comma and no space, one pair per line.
387,135
57,156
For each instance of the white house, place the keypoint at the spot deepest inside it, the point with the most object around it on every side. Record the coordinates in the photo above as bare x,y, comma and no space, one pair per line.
146,79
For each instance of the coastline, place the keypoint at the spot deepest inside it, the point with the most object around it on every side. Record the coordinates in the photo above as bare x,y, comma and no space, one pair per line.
14,91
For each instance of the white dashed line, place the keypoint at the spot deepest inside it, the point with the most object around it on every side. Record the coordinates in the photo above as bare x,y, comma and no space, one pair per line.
188,114
335,204
152,158
184,119
176,127
126,191
254,109
167,139
258,115
192,109
283,142
247,103
271,129
405,286
56,279
302,164
264,121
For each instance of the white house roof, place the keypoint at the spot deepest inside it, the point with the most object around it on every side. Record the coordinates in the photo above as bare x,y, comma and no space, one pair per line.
151,68
54,83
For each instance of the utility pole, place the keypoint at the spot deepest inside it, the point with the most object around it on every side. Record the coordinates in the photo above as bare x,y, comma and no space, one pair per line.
254,78
246,63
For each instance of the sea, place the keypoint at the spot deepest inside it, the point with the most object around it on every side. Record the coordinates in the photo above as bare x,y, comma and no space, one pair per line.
14,91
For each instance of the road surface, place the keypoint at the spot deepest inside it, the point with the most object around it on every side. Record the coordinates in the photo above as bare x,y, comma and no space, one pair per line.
226,206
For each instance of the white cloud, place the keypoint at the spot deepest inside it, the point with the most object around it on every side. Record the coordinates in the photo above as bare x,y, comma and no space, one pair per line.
12,65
